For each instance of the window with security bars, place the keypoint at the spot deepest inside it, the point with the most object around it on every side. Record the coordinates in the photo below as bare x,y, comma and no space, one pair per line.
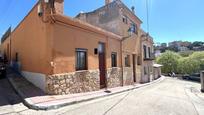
81,59
114,59
127,61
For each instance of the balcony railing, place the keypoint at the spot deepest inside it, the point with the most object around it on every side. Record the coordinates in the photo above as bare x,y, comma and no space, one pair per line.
150,58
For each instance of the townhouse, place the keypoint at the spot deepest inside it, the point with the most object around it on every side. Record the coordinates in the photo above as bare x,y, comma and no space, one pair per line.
147,56
63,55
117,18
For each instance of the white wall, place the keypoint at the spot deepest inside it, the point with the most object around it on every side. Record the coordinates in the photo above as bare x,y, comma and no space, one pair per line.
37,79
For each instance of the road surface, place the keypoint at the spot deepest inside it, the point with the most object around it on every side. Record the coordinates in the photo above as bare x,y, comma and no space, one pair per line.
168,97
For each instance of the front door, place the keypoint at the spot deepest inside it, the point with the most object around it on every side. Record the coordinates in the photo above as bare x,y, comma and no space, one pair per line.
134,68
102,65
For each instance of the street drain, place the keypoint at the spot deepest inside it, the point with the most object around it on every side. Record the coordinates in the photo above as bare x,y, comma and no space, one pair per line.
107,91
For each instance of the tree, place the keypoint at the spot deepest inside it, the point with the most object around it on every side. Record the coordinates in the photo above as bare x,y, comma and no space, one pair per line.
169,60
188,65
199,56
185,53
197,44
192,64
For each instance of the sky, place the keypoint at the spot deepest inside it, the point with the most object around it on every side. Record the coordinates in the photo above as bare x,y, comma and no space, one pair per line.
169,20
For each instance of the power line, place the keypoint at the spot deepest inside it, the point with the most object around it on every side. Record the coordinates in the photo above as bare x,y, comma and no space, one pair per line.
147,11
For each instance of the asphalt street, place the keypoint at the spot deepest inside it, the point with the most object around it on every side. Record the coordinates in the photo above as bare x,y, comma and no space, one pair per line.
168,97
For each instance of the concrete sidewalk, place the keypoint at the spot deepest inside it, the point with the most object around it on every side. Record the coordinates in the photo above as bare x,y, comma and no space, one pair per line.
36,99
196,97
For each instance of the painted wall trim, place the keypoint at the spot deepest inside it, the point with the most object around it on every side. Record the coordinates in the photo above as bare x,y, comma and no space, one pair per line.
37,79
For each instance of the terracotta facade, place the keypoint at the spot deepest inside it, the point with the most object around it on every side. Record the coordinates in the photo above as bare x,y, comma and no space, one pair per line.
44,45
117,18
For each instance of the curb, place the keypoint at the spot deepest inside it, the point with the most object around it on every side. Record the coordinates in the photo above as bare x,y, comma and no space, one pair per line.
30,105
22,96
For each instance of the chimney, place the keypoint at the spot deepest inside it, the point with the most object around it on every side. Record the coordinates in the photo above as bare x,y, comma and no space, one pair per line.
107,1
133,9
59,6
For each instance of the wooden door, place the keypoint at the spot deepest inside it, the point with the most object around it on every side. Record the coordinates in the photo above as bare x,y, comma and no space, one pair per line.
134,67
102,65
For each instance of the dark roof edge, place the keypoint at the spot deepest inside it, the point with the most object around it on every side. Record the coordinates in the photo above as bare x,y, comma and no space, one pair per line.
109,4
6,35
129,10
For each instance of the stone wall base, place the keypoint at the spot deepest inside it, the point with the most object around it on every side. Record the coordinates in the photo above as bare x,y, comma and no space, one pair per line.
76,82
128,76
82,81
114,77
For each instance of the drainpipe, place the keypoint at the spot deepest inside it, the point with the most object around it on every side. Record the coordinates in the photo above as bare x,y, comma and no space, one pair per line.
10,47
121,53
121,45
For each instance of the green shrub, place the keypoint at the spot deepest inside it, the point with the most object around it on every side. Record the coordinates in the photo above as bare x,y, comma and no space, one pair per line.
184,64
185,53
169,60
188,65
199,56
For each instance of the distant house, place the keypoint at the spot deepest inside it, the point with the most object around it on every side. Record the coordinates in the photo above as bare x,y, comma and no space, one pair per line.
157,53
180,45
183,48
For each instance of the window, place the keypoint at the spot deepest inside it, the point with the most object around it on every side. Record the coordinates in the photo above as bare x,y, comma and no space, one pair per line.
114,59
151,69
127,61
125,20
81,59
133,28
149,52
145,51
111,5
145,71
139,60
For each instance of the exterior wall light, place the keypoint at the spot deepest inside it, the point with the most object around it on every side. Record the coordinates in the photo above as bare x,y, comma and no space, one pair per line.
130,32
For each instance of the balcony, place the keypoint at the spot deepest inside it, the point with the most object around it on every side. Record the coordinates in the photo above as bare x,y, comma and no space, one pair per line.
150,58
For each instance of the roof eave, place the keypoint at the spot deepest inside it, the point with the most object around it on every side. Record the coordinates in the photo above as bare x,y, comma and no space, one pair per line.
81,24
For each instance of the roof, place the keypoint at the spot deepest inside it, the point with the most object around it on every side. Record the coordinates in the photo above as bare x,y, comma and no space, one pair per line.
84,25
118,2
128,9
157,65
6,35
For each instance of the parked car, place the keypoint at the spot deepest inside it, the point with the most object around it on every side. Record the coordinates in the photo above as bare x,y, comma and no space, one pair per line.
2,67
194,76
